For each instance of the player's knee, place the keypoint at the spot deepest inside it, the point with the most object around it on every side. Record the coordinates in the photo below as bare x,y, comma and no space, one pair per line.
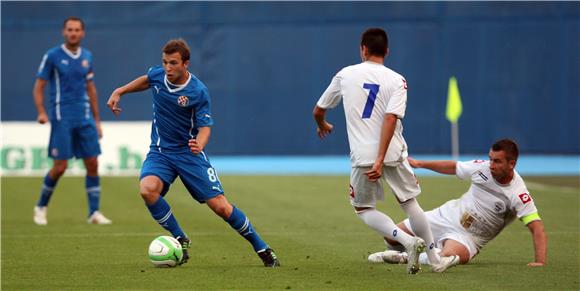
149,192
58,169
92,166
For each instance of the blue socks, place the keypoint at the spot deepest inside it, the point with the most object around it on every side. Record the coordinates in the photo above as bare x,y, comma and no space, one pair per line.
242,225
46,191
161,212
93,192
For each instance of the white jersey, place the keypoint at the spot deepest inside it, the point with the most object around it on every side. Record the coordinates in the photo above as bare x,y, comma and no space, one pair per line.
487,207
369,91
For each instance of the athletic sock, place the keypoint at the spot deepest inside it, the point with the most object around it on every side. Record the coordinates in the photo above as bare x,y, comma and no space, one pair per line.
92,184
420,226
384,225
242,225
46,191
161,212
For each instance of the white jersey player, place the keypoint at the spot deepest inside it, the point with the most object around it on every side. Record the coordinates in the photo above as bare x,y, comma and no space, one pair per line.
375,99
496,197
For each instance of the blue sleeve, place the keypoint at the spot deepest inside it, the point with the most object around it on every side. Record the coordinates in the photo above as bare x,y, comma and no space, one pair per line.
155,73
202,110
45,68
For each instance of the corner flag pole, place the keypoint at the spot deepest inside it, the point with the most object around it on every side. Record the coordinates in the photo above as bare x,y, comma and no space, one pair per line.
453,112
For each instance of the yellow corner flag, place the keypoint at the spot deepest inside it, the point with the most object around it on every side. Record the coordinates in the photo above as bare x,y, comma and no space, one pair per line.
454,107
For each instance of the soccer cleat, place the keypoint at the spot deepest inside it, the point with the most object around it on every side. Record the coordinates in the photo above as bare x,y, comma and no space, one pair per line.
388,256
413,251
269,258
445,263
185,244
98,218
40,215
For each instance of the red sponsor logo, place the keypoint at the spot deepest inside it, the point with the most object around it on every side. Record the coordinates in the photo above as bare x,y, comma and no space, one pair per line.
525,197
479,161
351,190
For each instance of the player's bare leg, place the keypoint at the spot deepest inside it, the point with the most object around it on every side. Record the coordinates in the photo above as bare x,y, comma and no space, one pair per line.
151,188
93,187
238,221
454,248
50,180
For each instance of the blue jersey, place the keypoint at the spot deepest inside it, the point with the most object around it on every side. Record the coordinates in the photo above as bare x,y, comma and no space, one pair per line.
68,74
178,111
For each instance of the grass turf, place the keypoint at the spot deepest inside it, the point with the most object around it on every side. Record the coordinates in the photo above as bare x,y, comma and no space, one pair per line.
307,220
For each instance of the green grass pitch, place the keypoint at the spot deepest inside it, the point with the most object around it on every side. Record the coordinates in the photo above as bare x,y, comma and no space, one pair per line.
321,243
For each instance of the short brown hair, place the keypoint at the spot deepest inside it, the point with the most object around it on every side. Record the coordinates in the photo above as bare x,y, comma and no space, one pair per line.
177,46
508,146
73,18
376,40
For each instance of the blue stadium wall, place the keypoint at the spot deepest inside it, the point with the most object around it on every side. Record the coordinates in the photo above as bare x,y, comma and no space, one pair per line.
266,64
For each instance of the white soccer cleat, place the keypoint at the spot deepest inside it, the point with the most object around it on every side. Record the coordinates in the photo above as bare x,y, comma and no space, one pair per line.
413,252
40,215
445,263
389,257
98,218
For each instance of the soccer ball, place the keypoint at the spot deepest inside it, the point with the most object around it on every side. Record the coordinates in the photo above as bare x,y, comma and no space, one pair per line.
165,251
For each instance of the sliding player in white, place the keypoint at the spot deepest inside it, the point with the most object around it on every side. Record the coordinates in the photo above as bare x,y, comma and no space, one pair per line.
497,196
375,100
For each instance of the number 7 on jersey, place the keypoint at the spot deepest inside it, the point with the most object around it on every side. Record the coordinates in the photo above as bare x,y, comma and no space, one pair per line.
373,90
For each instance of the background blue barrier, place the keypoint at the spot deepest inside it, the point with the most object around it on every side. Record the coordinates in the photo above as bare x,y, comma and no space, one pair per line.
266,64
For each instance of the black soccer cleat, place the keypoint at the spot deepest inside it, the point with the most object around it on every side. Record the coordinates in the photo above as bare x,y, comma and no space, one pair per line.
269,258
185,244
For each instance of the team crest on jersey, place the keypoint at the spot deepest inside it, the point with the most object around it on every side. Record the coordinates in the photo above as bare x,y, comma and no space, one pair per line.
85,63
183,101
405,84
499,207
525,197
351,190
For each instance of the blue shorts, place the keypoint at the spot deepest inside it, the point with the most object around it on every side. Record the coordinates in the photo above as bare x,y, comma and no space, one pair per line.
195,172
70,138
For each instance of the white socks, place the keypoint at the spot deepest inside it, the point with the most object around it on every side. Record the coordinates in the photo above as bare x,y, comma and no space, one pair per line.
420,226
384,225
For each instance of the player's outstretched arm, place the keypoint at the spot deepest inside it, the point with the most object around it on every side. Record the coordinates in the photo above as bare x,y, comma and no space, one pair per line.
442,167
540,243
38,93
324,128
137,85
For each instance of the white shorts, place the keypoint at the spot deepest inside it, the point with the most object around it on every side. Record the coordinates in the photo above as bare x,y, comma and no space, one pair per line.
400,178
445,224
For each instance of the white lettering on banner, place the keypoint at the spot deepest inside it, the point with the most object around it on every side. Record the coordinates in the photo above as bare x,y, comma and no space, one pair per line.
23,151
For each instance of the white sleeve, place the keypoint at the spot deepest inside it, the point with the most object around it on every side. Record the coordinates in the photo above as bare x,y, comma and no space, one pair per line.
332,95
524,204
464,170
398,99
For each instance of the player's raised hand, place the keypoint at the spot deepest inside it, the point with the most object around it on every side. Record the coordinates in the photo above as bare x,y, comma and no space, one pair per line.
113,103
194,146
375,172
42,118
324,129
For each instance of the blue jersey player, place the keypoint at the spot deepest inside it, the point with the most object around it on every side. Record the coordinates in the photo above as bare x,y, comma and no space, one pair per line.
179,132
73,115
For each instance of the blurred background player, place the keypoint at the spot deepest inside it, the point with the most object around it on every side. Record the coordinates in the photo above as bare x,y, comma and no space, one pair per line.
497,196
180,131
74,116
374,99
